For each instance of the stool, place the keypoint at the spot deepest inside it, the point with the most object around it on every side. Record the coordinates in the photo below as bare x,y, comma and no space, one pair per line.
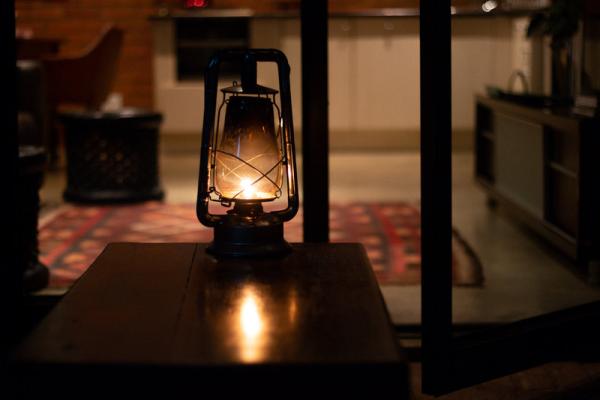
112,156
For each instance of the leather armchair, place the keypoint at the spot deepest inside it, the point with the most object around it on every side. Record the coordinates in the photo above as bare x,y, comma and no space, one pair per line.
32,104
33,138
82,80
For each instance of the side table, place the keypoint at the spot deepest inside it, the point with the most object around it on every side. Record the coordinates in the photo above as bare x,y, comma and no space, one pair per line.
171,320
112,156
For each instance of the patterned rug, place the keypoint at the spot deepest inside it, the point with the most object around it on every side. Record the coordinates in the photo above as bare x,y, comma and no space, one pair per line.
71,237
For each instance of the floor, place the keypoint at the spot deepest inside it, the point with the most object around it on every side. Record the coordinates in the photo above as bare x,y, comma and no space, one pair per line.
524,277
552,381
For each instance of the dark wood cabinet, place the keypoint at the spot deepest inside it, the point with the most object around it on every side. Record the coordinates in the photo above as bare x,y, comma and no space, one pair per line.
543,167
197,40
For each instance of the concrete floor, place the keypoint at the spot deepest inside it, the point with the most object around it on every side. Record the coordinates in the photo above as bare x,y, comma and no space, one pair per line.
523,276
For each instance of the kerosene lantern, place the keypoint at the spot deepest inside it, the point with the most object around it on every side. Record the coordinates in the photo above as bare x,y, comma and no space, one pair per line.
247,158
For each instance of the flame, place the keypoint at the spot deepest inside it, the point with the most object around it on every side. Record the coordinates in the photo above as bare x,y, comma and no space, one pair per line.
249,190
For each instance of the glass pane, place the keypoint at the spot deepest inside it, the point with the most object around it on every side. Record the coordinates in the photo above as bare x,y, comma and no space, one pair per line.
520,170
374,143
248,158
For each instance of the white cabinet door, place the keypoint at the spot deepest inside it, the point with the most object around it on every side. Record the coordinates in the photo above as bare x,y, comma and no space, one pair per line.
519,159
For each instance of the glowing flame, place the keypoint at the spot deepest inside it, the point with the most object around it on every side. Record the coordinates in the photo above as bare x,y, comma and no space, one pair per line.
249,190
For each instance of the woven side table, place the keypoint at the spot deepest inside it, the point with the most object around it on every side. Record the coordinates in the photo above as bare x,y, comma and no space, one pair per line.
112,156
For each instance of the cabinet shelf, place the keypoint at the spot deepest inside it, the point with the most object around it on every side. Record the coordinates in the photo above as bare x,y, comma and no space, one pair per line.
542,167
213,44
196,42
563,170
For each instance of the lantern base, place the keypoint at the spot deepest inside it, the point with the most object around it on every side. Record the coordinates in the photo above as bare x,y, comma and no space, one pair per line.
249,241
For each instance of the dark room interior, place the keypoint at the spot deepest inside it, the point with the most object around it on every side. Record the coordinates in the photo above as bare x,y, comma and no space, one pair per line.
284,198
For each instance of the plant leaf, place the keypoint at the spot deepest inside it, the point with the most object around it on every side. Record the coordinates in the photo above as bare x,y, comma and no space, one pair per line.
537,24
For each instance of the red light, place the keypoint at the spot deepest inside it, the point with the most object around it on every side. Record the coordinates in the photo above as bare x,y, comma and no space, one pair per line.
196,3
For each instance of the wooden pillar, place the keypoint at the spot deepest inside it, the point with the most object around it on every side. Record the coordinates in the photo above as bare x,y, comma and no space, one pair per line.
315,120
11,276
436,194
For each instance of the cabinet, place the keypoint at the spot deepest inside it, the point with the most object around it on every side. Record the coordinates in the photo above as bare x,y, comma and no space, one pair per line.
177,321
197,40
543,167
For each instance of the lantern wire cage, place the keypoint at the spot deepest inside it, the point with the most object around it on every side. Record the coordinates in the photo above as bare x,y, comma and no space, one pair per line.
247,184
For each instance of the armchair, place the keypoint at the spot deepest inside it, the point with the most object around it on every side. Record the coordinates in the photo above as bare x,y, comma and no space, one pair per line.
83,80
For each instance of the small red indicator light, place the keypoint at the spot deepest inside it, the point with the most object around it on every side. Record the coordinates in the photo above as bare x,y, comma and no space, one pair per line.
196,3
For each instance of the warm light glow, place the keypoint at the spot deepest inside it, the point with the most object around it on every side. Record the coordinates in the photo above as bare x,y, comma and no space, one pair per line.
237,179
253,323
248,158
489,5
196,3
249,318
252,327
293,307
249,191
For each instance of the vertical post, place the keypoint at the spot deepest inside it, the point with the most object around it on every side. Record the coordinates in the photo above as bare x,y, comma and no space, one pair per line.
315,120
248,71
10,271
436,195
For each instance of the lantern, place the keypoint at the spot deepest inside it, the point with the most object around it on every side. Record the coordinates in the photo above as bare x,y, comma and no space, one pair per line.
247,158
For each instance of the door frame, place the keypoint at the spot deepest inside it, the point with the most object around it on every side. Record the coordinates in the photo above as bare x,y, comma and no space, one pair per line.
450,363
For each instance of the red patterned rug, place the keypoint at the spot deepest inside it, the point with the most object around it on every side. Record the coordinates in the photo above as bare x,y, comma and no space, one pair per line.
73,236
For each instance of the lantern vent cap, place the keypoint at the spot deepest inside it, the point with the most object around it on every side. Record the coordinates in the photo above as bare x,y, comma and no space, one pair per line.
248,89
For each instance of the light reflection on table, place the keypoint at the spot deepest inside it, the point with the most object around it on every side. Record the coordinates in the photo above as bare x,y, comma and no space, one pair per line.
250,309
252,326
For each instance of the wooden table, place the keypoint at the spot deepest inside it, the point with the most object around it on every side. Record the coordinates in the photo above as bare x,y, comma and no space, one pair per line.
169,319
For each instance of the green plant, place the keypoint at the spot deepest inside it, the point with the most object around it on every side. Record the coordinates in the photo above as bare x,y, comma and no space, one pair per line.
560,21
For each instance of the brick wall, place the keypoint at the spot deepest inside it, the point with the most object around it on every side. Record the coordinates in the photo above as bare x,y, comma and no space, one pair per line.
78,22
